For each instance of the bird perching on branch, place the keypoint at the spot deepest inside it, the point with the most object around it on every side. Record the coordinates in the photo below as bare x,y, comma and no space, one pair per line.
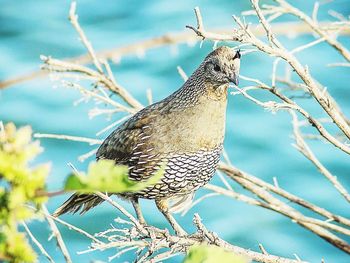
184,131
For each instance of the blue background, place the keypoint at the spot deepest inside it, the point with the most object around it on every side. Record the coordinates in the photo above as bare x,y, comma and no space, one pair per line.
257,141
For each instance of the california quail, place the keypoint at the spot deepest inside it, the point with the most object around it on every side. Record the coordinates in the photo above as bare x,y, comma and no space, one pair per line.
185,131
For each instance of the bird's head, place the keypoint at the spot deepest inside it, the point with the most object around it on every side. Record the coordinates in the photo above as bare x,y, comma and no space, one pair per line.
221,66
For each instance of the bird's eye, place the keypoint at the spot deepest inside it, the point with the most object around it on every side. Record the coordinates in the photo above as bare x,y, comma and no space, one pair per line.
217,68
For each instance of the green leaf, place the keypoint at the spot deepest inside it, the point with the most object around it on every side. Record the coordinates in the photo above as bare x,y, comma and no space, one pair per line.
211,254
105,176
73,183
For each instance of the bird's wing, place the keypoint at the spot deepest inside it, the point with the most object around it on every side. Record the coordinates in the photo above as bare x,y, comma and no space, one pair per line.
121,144
118,145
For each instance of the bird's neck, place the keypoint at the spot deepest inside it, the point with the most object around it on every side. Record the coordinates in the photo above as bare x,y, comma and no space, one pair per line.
197,86
217,93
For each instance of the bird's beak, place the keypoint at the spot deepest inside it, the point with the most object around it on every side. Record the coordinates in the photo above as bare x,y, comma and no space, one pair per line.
234,78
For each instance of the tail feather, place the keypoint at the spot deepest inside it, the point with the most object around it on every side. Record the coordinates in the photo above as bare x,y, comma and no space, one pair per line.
76,202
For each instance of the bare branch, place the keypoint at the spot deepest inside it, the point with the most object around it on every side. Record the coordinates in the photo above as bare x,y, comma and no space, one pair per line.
122,210
306,151
37,243
182,73
314,225
68,137
290,104
73,18
233,171
339,65
245,35
213,239
60,243
315,27
56,65
271,37
74,228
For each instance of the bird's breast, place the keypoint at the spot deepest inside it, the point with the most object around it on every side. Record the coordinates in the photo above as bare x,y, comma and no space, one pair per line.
200,127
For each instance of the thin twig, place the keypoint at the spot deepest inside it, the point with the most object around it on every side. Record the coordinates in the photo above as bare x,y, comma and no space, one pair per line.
245,35
290,104
73,18
69,138
314,225
37,243
60,243
122,210
76,229
182,73
215,240
306,151
315,27
233,171
56,65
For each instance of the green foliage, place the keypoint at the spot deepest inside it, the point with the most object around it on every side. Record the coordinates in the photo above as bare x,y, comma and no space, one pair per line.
19,186
105,176
211,254
15,247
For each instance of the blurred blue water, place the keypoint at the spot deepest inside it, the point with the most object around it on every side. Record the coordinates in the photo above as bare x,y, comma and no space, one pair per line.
257,141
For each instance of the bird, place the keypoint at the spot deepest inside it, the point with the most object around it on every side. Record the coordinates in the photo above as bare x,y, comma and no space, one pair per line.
185,131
